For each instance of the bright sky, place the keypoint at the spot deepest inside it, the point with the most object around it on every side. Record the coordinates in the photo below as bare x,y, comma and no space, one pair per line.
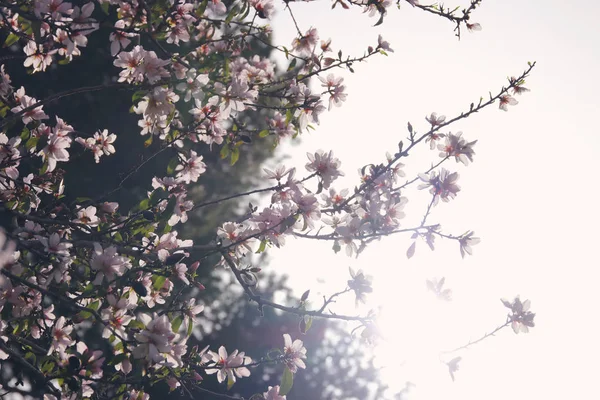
530,193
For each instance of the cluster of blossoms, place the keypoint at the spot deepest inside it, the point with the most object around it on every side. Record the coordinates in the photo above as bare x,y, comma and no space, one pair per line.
70,269
520,318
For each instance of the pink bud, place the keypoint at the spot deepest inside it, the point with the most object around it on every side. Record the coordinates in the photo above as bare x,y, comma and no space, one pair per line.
194,267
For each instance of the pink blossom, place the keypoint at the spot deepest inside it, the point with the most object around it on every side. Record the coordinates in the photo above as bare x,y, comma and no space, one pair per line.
34,114
56,150
155,340
466,241
293,353
60,336
325,165
435,120
442,185
473,27
506,100
37,57
273,394
229,366
383,44
306,44
456,146
191,168
87,216
107,263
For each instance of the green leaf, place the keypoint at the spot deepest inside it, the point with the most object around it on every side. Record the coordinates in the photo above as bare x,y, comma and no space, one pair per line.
10,40
148,141
287,381
143,204
47,367
94,306
292,65
245,11
202,8
31,357
234,11
224,151
119,346
105,7
288,116
25,133
156,196
235,155
134,323
85,315
137,96
32,142
309,320
190,328
264,133
176,323
263,246
230,382
172,165
159,282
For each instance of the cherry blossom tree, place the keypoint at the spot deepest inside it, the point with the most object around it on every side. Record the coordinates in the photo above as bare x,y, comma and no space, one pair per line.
201,85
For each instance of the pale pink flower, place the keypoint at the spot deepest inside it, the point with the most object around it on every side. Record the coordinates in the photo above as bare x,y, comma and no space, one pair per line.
190,169
325,165
473,27
155,340
56,150
383,44
87,216
279,173
109,207
60,336
442,185
173,383
273,394
37,57
34,114
456,146
506,100
335,89
435,120
228,366
104,144
119,38
180,270
107,263
293,353
7,249
54,245
521,319
192,87
138,395
466,241
306,44
264,8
